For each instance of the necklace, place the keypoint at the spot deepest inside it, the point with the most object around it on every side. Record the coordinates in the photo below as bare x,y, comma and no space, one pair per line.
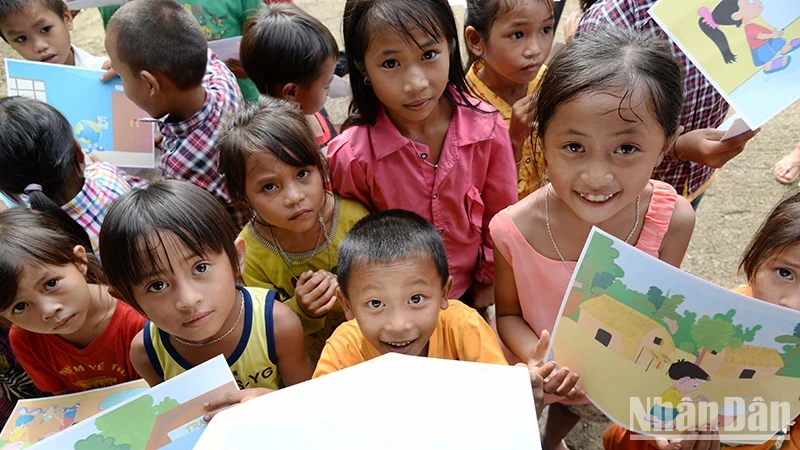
424,157
550,232
286,260
214,341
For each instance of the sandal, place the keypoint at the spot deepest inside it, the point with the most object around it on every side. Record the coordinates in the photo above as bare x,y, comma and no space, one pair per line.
778,64
787,172
793,45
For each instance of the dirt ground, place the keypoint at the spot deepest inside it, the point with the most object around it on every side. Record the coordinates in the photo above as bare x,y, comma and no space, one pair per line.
744,191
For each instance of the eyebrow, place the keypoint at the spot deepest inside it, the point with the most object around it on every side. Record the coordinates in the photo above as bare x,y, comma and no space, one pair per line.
391,51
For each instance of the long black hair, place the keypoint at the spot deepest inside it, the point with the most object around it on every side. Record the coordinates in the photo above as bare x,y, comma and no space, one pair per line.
711,20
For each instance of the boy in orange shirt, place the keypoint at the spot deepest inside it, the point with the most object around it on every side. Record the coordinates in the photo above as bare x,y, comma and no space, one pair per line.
394,281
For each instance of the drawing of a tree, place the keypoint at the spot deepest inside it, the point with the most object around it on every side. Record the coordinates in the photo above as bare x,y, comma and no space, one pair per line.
718,333
600,258
97,442
683,337
790,352
656,297
133,424
633,299
668,309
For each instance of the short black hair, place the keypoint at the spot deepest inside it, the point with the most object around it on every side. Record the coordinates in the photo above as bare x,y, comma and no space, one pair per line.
284,44
9,7
142,220
161,36
387,236
683,368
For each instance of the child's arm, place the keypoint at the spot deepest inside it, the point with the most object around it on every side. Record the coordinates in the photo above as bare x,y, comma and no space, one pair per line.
511,326
141,362
294,365
676,240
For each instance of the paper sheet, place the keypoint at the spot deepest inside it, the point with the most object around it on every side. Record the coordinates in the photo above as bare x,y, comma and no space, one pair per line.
75,5
226,48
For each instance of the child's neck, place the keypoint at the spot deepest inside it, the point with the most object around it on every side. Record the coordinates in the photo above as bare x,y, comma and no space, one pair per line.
509,91
101,309
71,57
292,242
430,131
70,190
186,104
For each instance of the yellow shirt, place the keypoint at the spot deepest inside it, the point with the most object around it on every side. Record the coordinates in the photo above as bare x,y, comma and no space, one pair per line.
530,174
671,398
253,362
266,268
461,334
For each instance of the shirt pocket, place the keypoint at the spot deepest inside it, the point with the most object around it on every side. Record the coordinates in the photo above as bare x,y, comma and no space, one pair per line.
475,208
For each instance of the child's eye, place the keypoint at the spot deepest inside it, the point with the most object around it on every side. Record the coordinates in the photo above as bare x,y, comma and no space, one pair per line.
20,39
785,273
430,54
391,64
269,187
156,286
374,303
302,174
518,35
46,29
50,284
547,30
573,148
627,150
415,299
19,307
202,268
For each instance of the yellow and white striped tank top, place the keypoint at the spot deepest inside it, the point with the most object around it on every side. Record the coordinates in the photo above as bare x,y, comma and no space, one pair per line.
253,362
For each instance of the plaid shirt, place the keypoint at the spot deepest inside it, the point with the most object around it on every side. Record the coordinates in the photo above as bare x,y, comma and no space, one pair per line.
703,107
103,183
188,146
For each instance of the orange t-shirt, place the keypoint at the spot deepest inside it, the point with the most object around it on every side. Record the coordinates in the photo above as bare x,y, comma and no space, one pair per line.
55,365
461,334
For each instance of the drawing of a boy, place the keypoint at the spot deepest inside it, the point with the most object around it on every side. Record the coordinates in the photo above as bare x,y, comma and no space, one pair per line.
686,377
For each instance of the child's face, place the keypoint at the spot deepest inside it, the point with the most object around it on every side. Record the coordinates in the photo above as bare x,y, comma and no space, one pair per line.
687,385
138,87
284,196
748,10
600,154
51,299
197,299
39,34
397,304
519,42
312,98
776,280
407,79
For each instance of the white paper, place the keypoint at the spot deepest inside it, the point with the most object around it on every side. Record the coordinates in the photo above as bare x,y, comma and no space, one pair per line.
733,127
391,402
75,5
340,87
226,48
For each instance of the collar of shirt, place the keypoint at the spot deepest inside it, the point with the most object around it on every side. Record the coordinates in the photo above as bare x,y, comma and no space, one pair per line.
467,126
183,129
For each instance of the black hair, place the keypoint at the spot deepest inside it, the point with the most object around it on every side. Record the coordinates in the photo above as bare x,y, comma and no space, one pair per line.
388,236
683,368
482,14
270,125
710,22
161,36
32,238
284,44
611,58
37,147
9,7
364,18
780,229
139,222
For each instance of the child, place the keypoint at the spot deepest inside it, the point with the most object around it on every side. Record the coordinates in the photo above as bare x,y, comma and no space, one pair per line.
40,158
194,91
218,19
607,113
767,46
39,31
508,43
685,377
771,265
171,252
289,54
69,335
394,281
274,168
416,141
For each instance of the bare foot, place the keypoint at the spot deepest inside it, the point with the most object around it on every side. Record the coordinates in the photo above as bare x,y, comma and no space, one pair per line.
787,170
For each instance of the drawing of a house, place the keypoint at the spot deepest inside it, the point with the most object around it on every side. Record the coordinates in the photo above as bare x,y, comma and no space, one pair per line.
626,332
747,362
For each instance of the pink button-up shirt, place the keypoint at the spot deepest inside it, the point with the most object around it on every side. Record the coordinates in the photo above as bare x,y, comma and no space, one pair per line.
476,178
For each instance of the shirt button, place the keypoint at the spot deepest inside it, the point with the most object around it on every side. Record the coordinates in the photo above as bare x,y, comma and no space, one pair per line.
435,196
440,230
423,155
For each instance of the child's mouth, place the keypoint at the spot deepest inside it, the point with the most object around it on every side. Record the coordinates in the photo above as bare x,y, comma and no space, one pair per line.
597,198
400,346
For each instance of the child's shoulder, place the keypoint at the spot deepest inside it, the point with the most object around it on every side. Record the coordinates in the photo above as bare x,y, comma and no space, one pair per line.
351,211
458,315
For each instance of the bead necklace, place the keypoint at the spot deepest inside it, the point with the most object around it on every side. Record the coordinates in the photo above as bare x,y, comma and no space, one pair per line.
286,260
424,157
214,341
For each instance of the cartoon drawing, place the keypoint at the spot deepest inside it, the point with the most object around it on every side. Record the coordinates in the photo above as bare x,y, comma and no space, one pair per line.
685,377
768,47
23,422
746,362
69,414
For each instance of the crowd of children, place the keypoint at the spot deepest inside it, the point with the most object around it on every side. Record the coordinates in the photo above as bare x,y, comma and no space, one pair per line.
295,249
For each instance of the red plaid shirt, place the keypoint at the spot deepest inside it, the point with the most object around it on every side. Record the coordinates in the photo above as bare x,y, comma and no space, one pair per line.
188,146
703,107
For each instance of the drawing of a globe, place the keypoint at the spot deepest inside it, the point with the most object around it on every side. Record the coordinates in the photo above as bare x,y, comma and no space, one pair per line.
88,133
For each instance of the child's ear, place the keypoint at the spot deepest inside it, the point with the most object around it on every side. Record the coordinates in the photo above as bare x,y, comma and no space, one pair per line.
67,16
738,16
80,157
152,80
241,252
348,311
446,293
289,91
474,41
80,252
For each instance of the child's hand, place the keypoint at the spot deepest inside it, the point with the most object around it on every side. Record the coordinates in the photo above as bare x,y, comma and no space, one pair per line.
227,400
545,377
237,68
316,292
519,129
110,73
705,147
696,440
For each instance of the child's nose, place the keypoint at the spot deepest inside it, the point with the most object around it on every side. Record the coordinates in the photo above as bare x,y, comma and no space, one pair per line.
417,81
596,176
40,45
50,309
188,298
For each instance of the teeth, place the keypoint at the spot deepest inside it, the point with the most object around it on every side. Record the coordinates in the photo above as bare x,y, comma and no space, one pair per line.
399,344
597,198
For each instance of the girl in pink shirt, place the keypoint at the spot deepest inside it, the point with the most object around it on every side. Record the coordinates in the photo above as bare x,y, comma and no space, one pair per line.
416,141
607,114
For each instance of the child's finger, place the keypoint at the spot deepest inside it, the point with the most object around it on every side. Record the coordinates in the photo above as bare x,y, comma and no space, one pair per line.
567,385
553,382
539,353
